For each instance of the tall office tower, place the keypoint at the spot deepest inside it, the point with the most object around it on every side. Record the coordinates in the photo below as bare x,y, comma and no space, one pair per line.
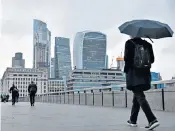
89,50
18,60
52,68
41,45
62,57
106,61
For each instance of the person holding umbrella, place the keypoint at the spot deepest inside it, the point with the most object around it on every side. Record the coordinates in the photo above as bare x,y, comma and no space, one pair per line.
139,57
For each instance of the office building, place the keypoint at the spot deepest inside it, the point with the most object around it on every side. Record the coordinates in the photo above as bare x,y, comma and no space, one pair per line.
62,57
22,77
18,60
120,63
41,45
55,85
89,50
80,78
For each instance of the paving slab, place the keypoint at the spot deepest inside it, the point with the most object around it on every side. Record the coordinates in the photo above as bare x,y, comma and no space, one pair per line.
56,117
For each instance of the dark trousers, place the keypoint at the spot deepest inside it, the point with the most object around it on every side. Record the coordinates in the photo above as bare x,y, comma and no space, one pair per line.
139,100
13,98
32,98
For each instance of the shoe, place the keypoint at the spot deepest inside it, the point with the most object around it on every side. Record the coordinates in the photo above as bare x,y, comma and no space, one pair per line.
152,125
130,123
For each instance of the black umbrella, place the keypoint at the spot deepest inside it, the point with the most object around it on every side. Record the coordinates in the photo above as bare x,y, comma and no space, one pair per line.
146,29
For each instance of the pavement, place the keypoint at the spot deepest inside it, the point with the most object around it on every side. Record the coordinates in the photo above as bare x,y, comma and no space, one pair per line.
56,117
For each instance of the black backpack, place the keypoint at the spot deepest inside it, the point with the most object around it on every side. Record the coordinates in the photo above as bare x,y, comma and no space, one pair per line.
33,88
141,57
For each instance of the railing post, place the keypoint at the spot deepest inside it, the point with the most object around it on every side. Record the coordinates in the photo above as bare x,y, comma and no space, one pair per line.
101,97
73,97
60,98
113,102
126,99
163,100
79,96
64,97
85,97
68,97
92,96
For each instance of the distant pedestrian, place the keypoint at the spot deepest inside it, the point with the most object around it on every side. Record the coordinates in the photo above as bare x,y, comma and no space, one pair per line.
7,97
138,59
14,92
17,97
32,89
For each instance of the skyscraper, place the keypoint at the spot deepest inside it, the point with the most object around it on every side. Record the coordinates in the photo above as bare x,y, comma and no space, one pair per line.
89,50
62,57
106,61
18,60
41,45
52,68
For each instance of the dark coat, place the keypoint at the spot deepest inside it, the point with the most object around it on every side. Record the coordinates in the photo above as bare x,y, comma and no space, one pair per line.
32,86
135,78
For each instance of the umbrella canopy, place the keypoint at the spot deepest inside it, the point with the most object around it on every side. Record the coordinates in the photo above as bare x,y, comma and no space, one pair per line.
146,29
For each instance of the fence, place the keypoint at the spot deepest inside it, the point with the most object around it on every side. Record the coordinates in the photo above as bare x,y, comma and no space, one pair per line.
159,99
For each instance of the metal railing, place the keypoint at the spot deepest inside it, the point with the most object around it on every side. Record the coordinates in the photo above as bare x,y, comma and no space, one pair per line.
159,99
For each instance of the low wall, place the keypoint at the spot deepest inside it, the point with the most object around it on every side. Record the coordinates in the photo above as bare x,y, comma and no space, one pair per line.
159,99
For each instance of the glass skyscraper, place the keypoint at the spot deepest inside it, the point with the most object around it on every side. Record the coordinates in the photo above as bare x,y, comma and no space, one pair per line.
41,45
52,68
62,57
89,50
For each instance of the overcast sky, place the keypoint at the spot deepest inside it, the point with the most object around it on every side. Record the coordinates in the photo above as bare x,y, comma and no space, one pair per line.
66,17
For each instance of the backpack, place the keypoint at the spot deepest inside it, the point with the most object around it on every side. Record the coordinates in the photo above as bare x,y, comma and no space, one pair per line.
141,57
15,90
33,88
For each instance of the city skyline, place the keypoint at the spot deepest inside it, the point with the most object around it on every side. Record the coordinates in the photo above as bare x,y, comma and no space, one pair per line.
17,33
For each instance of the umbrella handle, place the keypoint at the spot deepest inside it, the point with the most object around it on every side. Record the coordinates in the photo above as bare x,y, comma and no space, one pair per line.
150,39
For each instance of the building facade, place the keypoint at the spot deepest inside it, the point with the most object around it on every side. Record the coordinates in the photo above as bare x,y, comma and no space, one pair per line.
22,77
52,68
62,57
80,78
89,50
18,60
120,63
41,45
55,85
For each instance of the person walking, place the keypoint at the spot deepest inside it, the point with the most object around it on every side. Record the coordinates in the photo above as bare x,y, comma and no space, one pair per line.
7,97
14,92
138,58
32,89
